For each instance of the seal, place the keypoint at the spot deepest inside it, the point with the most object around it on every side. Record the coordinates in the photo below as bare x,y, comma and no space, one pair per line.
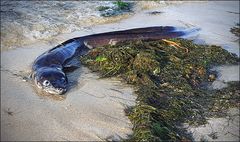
49,69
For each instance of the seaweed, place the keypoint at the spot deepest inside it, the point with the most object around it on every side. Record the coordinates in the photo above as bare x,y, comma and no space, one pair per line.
103,8
119,7
236,30
122,5
171,84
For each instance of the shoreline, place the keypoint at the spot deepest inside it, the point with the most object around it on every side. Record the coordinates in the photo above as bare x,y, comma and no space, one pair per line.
22,30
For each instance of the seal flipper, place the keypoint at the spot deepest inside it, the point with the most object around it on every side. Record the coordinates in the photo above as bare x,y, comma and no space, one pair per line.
71,65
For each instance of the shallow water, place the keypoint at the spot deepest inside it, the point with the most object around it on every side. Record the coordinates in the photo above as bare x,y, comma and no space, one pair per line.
25,22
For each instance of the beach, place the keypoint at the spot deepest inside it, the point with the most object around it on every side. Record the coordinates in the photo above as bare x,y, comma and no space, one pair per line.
93,110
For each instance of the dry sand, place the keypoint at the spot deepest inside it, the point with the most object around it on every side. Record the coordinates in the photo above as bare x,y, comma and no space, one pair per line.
94,108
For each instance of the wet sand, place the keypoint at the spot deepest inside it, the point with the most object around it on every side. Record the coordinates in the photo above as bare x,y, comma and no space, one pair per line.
94,108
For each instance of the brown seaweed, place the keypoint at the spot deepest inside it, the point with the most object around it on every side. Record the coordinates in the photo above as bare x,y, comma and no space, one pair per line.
170,84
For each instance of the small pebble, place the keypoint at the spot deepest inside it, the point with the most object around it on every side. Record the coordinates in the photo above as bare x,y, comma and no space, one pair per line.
155,12
211,77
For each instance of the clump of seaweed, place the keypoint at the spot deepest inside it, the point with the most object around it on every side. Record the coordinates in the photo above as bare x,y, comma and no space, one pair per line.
122,5
170,84
119,7
236,30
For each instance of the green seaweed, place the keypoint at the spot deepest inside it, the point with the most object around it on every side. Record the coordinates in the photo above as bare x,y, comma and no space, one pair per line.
119,8
122,5
100,59
170,84
103,8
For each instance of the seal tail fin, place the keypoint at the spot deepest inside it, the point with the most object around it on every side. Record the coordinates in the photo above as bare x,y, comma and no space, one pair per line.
189,32
148,33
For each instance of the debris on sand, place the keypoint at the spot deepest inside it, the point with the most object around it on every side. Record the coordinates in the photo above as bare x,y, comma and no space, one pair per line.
171,84
119,7
155,12
236,30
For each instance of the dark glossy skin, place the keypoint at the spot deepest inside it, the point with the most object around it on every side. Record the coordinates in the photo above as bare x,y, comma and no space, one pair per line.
48,68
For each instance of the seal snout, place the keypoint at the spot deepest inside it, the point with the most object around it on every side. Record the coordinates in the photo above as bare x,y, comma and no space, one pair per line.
51,80
56,91
61,91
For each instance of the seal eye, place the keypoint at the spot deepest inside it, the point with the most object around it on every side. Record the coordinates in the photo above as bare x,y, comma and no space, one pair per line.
46,82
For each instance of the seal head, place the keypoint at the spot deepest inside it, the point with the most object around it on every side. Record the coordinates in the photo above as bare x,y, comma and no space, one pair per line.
51,80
